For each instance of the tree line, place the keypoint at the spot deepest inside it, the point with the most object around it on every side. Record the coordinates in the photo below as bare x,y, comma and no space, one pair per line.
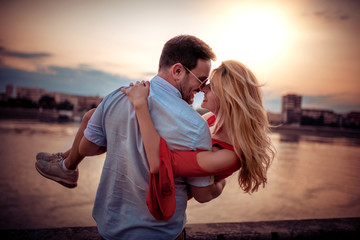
45,102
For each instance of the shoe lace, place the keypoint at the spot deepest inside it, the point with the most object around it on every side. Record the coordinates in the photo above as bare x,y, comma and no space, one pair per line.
58,157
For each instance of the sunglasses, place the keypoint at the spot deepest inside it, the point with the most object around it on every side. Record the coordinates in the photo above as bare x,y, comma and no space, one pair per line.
202,82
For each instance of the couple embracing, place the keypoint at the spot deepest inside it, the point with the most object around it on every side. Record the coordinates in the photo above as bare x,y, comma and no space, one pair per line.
160,152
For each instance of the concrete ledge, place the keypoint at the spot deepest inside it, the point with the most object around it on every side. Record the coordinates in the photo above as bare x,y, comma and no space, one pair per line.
341,228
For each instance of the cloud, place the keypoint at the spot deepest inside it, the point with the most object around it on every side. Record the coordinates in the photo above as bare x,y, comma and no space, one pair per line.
335,102
87,82
23,55
149,74
84,66
332,15
338,102
272,105
333,10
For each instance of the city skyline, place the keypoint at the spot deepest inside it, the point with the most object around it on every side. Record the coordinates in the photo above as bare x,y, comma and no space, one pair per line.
15,94
301,46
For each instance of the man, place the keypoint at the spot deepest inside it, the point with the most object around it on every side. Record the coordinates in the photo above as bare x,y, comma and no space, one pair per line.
120,209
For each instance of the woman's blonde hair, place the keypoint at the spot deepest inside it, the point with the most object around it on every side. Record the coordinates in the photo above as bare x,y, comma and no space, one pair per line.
243,116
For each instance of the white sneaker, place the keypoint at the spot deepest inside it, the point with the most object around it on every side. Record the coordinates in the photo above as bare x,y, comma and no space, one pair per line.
51,167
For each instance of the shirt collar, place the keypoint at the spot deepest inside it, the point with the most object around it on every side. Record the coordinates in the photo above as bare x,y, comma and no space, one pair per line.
166,86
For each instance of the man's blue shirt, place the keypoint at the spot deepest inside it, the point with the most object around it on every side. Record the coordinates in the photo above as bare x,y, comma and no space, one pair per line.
120,209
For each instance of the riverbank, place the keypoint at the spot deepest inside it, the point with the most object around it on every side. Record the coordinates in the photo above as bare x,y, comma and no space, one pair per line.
48,115
43,115
317,130
338,228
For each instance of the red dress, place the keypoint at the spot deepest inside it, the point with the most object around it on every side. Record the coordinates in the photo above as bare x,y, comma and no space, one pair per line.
161,200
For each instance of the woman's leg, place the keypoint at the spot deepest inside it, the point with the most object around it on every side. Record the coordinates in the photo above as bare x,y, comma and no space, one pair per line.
66,154
64,171
73,158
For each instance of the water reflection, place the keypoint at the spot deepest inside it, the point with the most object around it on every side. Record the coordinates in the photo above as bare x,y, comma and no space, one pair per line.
289,138
311,177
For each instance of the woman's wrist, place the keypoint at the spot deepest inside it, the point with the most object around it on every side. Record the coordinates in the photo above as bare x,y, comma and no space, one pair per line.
140,103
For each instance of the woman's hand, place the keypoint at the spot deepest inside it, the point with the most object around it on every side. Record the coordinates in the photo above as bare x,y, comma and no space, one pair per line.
138,93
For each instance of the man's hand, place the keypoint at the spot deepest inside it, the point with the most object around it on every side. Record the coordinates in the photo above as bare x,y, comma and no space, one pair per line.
205,194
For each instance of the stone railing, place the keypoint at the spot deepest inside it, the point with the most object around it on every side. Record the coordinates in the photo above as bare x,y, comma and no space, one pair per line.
339,228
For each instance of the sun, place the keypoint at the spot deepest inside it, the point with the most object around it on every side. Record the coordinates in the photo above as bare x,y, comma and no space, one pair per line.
253,34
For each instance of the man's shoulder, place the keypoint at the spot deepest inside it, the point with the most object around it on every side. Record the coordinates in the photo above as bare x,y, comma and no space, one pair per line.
161,88
114,96
165,96
114,93
174,106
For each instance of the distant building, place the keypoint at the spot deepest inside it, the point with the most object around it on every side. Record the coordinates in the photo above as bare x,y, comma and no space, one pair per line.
291,109
3,97
274,118
9,92
81,103
34,94
320,117
352,120
87,102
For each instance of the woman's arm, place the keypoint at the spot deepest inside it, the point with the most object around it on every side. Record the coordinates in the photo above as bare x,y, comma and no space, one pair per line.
207,160
216,160
138,95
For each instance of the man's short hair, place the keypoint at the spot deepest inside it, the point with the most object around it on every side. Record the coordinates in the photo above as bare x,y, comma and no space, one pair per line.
185,49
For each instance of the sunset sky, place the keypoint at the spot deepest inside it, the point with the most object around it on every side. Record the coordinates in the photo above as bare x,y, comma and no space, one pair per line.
308,47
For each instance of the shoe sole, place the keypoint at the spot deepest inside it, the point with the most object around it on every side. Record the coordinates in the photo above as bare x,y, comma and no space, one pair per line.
65,184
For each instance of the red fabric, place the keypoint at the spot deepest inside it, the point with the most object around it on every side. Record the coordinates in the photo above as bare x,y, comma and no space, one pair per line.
211,120
161,200
184,164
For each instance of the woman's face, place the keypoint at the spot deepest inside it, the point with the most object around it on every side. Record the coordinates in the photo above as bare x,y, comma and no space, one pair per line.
210,101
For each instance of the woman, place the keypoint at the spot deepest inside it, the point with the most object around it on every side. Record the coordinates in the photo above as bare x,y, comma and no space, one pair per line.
238,125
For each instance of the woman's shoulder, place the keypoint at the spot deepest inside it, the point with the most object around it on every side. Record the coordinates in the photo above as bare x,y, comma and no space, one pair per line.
207,115
209,118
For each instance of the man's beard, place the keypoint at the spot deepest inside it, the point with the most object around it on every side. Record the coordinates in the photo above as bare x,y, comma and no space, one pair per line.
190,99
187,96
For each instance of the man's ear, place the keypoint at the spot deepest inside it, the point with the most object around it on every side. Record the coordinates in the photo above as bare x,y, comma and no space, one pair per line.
177,71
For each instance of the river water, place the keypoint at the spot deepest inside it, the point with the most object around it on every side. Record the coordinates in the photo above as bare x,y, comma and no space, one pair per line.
311,177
